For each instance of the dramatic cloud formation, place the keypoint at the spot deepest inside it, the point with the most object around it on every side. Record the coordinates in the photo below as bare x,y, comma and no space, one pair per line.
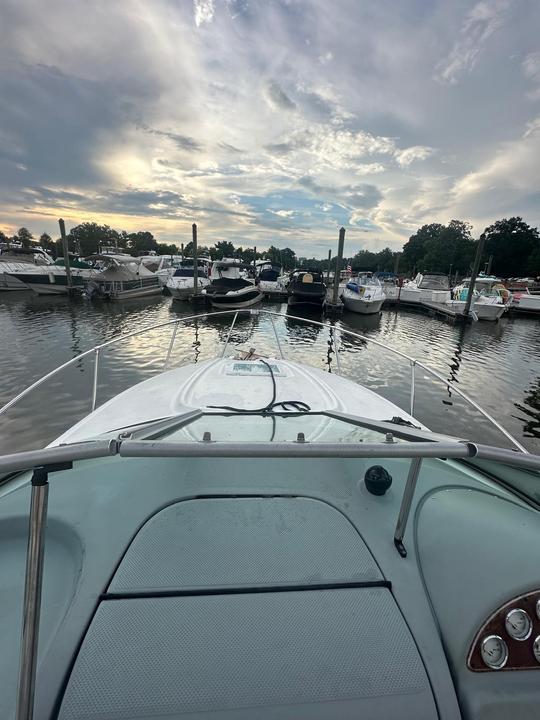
269,122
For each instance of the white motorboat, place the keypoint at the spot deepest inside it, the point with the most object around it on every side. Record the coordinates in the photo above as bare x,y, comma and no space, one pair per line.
53,279
124,277
490,298
525,301
426,288
363,294
181,284
228,289
252,536
20,260
270,278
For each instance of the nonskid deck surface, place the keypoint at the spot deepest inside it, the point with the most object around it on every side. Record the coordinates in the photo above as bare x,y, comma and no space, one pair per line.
268,560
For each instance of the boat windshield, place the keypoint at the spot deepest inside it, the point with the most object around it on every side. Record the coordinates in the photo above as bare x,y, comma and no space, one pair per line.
434,282
272,427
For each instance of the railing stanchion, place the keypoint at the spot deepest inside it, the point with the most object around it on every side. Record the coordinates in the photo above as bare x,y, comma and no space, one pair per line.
336,350
413,364
32,594
229,334
282,356
414,469
169,351
94,386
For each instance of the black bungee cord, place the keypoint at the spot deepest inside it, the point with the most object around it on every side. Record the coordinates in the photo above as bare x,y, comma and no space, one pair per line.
269,409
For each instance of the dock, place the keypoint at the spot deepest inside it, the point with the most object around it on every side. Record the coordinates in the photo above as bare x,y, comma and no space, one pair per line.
439,310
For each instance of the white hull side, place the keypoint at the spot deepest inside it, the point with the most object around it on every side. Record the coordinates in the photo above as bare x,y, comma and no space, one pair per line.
236,303
136,292
184,290
51,289
531,303
410,296
7,282
484,311
364,307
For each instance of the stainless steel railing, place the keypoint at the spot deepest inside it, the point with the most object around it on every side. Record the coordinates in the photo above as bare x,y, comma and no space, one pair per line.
413,362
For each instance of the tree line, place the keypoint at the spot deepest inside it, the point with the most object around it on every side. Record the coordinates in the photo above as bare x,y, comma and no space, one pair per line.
511,249
89,237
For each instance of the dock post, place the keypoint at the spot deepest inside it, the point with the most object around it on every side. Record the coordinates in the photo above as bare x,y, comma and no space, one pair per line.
339,258
328,267
255,258
476,267
195,264
182,251
66,254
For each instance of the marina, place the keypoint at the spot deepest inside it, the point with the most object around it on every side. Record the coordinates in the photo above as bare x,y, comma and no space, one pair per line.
270,360
502,356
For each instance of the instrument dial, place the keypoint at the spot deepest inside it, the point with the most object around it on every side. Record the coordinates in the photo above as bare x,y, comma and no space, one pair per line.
536,648
518,624
494,652
538,608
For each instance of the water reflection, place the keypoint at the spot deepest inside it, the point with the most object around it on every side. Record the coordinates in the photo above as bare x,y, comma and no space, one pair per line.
531,409
491,362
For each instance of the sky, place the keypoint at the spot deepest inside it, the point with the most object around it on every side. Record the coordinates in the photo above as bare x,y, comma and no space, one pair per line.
269,121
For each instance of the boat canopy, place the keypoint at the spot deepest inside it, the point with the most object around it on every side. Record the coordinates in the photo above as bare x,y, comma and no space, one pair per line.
125,271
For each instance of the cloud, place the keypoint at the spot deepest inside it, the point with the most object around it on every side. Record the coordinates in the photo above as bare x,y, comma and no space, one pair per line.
232,113
410,154
277,97
480,24
204,11
531,70
182,141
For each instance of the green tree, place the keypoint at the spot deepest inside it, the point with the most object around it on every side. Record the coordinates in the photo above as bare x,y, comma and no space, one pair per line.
142,242
514,246
223,249
89,237
46,242
23,236
287,258
437,248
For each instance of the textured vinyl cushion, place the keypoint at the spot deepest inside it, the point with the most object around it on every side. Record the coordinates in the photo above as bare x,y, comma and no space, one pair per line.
318,652
242,541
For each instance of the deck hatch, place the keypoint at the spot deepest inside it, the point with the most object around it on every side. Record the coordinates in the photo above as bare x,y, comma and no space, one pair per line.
242,542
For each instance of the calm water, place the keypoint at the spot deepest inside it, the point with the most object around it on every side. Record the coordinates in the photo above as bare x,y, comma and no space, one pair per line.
497,364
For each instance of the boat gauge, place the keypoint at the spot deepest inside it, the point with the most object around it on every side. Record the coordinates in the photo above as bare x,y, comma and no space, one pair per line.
494,652
518,624
536,648
538,608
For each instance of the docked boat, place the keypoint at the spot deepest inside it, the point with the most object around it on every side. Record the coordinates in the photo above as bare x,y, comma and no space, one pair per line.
181,284
269,278
53,279
228,289
363,294
491,299
20,260
306,288
251,536
124,277
526,302
426,288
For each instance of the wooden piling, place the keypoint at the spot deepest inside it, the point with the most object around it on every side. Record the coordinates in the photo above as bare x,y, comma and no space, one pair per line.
328,267
65,250
195,262
476,267
339,258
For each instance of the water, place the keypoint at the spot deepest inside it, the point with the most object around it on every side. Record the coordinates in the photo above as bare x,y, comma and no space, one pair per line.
498,365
